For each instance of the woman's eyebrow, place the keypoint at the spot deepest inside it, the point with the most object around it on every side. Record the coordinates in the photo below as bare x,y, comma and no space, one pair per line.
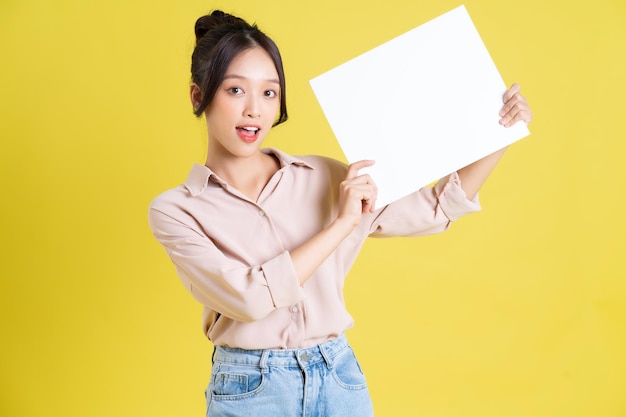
241,77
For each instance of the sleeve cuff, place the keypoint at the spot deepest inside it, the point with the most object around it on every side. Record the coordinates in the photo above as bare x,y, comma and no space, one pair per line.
282,281
453,200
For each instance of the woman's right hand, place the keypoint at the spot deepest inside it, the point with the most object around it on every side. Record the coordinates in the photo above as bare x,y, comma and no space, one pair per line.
357,194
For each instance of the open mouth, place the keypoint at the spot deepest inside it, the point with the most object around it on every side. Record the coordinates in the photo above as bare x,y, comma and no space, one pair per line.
248,133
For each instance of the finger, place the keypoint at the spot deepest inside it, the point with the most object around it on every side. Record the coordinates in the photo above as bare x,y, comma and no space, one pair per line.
369,206
364,185
514,117
370,194
360,179
510,98
365,193
368,202
524,116
515,89
354,168
359,190
514,104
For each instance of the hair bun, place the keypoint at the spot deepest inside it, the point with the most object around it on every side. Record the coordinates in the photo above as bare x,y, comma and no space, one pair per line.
217,18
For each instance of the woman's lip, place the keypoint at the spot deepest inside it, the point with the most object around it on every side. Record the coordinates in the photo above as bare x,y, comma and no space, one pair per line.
246,135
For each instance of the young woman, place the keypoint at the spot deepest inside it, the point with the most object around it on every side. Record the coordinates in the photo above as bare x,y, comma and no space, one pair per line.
264,240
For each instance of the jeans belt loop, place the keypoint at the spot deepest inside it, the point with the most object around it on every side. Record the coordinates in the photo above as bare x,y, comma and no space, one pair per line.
263,363
326,356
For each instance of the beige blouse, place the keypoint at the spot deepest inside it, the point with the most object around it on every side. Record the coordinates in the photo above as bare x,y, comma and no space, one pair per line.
233,254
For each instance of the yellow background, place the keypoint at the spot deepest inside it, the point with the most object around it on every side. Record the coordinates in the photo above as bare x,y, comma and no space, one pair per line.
519,310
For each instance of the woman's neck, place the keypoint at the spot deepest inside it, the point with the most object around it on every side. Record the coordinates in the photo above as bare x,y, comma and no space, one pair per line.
248,175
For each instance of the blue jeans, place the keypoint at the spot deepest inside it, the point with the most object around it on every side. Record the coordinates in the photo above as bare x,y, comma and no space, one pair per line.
322,381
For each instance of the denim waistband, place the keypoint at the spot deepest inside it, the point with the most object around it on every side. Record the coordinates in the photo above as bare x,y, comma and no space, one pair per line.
264,358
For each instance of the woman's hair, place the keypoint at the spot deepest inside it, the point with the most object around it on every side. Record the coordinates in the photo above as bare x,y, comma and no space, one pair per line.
220,38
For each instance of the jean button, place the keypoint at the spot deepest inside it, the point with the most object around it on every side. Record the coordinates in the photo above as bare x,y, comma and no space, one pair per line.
305,356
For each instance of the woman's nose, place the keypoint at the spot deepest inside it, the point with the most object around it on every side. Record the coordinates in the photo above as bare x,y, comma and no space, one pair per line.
252,108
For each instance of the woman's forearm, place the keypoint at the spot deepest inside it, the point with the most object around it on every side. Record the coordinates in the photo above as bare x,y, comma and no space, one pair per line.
515,109
474,175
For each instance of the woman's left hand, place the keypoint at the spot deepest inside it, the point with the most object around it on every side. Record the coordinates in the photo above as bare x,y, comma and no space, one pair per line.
515,107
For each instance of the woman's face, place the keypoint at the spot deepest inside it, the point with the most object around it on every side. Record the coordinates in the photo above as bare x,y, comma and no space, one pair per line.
245,105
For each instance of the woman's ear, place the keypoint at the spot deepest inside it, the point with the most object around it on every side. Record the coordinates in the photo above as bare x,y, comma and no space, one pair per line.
196,96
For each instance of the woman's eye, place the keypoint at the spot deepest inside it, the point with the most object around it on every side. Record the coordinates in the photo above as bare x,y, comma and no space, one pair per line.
235,90
270,93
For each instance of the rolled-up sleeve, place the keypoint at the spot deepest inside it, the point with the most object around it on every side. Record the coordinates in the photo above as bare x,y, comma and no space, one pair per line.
452,199
429,210
282,280
221,282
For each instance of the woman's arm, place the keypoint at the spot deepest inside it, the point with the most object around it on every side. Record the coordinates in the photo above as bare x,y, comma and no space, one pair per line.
515,108
357,195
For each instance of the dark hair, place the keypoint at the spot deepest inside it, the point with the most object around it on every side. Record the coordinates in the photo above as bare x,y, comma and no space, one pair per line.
220,38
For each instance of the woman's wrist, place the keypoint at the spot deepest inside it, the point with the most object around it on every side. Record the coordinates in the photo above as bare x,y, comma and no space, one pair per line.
344,226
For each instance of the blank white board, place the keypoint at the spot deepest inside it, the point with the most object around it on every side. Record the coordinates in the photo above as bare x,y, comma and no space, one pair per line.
421,105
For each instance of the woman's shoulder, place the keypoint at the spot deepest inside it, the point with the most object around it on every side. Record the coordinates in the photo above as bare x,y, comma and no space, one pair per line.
169,200
326,168
197,181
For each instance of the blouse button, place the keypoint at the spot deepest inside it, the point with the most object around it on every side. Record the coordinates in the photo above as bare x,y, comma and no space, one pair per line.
261,213
294,309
